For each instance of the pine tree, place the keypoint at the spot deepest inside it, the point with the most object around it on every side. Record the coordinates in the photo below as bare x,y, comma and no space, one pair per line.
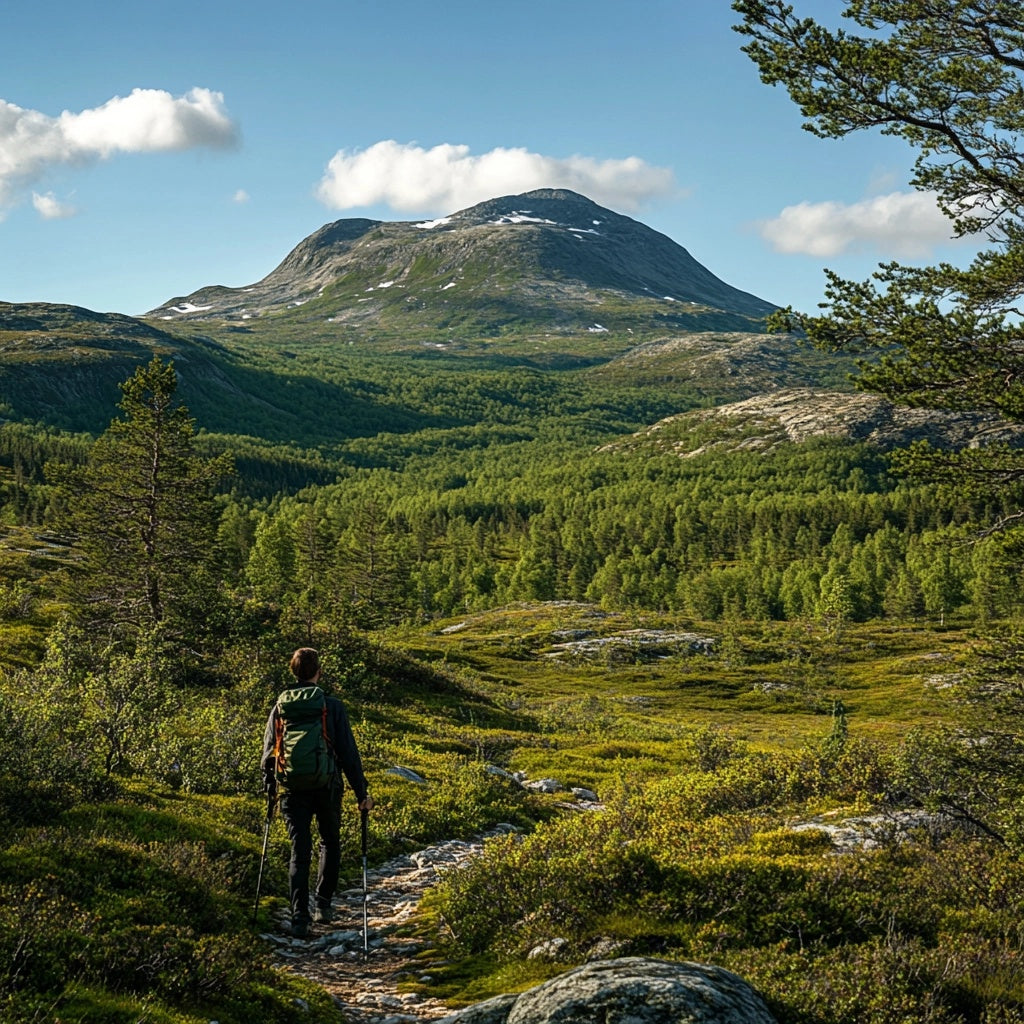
142,512
948,78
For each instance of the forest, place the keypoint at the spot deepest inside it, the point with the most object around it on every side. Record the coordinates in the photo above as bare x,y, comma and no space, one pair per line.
533,505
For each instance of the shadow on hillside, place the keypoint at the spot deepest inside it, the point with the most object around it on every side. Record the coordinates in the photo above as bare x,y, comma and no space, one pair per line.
294,408
223,395
394,677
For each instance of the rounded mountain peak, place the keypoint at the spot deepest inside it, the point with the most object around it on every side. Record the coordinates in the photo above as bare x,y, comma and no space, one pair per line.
551,205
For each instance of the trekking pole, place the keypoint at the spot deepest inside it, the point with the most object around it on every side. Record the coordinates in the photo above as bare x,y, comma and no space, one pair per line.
364,815
271,801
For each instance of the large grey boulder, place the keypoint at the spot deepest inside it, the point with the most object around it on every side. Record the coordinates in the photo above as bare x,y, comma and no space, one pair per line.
630,990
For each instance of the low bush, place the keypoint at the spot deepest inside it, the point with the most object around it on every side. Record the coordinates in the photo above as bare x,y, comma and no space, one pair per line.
40,774
459,798
139,910
922,931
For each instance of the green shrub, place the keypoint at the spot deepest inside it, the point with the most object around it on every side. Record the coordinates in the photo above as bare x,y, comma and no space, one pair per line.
209,744
41,775
888,980
555,880
139,910
461,798
937,925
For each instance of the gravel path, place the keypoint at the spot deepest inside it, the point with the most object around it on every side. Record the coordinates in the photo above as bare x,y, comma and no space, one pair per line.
366,986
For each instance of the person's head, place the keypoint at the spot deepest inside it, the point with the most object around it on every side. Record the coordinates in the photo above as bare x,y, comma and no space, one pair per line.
305,664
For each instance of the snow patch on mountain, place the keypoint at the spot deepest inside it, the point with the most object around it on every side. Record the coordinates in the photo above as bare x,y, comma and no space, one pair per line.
429,225
523,217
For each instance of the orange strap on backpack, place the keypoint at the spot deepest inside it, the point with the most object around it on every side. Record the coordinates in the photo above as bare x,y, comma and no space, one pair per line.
278,740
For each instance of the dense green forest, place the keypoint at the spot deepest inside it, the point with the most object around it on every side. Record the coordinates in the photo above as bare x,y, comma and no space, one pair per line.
435,524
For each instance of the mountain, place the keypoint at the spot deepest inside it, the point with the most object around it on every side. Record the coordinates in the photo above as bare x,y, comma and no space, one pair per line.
544,280
547,261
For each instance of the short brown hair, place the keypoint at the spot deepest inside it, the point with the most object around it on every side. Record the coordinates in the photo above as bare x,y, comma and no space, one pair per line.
305,664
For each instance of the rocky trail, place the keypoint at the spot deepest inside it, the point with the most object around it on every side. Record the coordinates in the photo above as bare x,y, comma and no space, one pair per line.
366,986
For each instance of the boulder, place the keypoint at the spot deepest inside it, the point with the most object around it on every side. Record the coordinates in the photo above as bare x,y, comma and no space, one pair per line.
545,786
631,990
492,1011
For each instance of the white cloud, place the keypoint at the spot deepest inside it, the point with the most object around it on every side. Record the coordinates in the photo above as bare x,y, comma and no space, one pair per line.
903,224
448,177
241,196
147,121
49,207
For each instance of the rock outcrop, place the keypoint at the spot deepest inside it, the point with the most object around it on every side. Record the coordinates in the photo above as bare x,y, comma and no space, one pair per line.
800,414
636,990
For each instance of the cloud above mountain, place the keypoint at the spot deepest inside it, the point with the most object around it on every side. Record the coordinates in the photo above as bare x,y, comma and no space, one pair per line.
146,121
903,224
449,177
49,207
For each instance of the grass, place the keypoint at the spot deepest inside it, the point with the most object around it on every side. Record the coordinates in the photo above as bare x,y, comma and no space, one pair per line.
774,685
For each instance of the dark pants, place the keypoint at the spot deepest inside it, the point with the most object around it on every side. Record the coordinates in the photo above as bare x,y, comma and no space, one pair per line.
298,810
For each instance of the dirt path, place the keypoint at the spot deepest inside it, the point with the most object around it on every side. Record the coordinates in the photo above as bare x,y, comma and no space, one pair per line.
366,987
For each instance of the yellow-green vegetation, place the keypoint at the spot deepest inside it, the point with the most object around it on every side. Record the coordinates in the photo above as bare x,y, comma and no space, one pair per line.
135,909
924,930
130,891
715,842
131,845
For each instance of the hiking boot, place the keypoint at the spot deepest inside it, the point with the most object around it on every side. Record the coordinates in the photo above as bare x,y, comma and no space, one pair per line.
323,915
300,929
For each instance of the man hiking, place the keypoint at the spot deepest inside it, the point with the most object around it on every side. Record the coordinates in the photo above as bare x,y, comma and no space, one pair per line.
307,746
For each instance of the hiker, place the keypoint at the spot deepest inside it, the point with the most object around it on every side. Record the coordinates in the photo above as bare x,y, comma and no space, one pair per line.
321,800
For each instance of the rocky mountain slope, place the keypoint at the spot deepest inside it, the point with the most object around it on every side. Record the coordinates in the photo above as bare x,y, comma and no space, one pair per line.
801,414
728,365
548,260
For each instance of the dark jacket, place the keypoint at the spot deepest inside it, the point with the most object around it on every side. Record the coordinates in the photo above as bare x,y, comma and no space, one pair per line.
339,732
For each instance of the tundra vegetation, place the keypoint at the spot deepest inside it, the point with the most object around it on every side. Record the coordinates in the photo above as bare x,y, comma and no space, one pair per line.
792,674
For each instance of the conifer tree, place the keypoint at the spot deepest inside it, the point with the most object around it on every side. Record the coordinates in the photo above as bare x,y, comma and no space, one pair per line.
142,512
948,78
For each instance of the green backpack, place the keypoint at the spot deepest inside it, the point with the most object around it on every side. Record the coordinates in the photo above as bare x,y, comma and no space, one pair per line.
302,751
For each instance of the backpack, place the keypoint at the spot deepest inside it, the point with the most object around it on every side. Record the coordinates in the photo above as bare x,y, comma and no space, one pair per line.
303,755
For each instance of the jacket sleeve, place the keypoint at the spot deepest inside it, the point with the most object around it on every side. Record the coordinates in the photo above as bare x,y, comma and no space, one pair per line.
345,750
267,763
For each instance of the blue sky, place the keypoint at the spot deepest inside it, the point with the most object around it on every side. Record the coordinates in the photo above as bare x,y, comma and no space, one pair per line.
147,150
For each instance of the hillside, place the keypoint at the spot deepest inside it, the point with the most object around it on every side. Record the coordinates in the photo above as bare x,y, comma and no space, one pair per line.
541,314
369,328
59,362
801,414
